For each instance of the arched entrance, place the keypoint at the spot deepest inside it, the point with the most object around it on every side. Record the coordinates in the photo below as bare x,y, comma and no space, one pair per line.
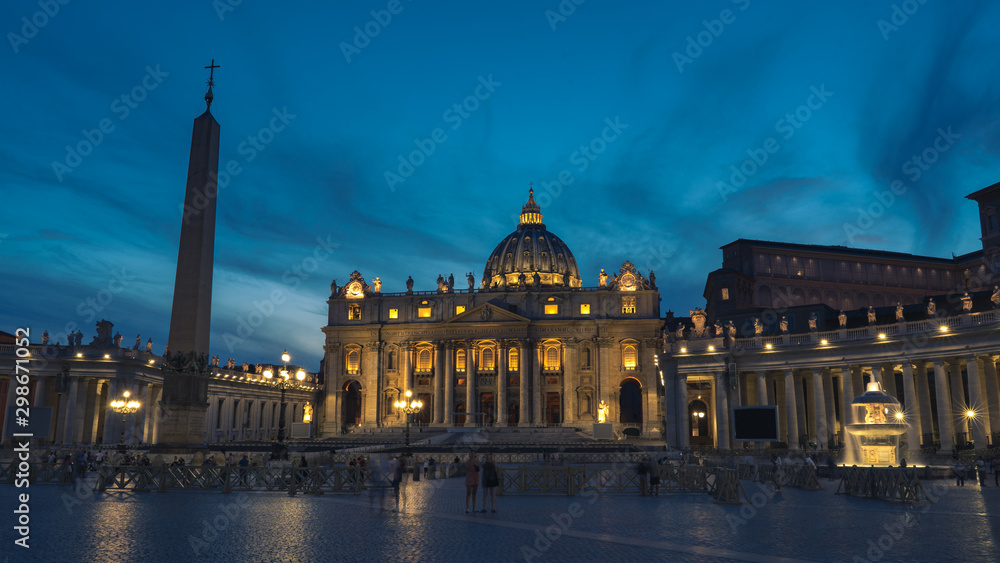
698,415
352,403
630,402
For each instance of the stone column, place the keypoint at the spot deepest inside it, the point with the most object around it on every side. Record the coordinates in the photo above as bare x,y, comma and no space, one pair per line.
976,401
405,374
471,404
502,383
157,396
569,384
112,420
958,400
683,421
819,410
985,409
536,384
449,383
721,411
847,395
147,418
439,383
41,393
945,422
831,412
992,393
791,411
523,366
911,406
924,402
761,388
800,405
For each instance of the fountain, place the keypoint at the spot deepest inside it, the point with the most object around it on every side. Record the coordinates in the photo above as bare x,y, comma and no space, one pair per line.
877,427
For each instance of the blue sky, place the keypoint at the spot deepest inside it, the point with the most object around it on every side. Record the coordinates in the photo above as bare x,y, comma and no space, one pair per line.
675,128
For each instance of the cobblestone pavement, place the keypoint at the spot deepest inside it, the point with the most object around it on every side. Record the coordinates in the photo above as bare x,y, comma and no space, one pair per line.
77,525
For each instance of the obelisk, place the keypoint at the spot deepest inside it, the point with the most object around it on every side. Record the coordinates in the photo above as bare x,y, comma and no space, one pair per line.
186,369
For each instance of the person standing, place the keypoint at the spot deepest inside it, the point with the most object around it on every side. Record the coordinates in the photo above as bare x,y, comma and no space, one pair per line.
643,471
471,481
981,471
491,480
654,477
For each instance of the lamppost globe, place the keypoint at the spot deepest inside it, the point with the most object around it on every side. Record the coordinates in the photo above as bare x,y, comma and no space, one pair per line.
124,407
408,407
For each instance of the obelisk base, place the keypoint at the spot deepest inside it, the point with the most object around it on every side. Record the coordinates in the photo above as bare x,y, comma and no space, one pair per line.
182,424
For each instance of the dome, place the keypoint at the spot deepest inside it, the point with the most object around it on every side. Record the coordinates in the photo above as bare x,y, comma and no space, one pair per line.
529,250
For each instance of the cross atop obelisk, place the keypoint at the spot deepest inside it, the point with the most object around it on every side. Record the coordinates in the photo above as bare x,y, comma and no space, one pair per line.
211,82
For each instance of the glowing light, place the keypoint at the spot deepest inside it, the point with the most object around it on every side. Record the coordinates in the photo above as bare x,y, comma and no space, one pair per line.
943,328
107,356
711,348
684,350
79,355
970,413
873,386
268,374
285,357
881,336
151,362
768,346
899,416
823,342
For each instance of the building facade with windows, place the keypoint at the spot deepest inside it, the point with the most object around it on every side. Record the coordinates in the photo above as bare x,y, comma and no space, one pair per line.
806,328
530,346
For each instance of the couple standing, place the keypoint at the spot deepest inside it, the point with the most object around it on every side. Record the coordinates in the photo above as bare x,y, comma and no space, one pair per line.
491,479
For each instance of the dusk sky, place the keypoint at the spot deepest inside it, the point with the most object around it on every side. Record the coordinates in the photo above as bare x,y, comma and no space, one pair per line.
657,116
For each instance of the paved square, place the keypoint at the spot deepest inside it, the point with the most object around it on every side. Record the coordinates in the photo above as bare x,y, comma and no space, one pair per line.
796,525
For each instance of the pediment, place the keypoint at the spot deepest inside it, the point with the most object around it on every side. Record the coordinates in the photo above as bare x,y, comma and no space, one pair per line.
487,313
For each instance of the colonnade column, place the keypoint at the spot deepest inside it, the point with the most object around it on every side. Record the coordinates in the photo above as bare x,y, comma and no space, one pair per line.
819,410
111,421
831,411
471,404
569,384
761,388
846,396
439,416
683,422
523,366
791,411
404,364
976,403
449,382
958,407
92,404
502,384
924,404
721,410
945,422
536,383
992,393
912,407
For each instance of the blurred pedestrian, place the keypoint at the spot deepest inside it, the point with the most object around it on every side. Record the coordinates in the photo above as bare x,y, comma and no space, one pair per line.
471,480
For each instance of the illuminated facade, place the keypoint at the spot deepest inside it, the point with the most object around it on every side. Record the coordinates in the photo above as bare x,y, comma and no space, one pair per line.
529,347
927,329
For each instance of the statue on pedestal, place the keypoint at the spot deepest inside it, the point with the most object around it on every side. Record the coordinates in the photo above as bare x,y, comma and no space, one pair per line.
333,288
899,312
931,307
602,279
652,280
758,327
813,322
440,282
138,342
536,280
966,303
215,360
996,296
409,284
842,319
45,337
451,282
246,366
871,315
680,331
602,412
730,329
118,340
149,345
472,280
376,285
784,325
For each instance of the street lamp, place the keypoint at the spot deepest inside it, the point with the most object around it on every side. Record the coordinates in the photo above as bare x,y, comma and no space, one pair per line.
124,406
283,381
408,407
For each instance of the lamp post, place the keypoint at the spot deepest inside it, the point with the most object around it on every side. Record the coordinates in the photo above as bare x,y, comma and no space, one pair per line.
408,407
283,381
124,406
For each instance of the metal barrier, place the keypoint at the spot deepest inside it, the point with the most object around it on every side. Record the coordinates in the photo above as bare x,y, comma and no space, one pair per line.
801,476
571,480
894,484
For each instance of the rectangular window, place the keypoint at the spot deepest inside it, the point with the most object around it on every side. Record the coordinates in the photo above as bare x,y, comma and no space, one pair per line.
628,305
551,309
393,313
424,312
585,309
725,294
354,312
459,309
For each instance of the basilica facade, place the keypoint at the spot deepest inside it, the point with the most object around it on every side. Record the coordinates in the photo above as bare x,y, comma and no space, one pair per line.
530,346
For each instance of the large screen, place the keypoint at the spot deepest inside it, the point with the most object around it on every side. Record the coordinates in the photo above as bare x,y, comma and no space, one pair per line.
759,424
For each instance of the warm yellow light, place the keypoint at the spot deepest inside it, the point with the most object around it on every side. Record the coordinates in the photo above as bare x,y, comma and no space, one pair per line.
300,375
459,309
107,356
268,374
424,312
768,346
944,328
823,342
79,355
285,357
970,413
126,394
552,309
899,416
151,361
881,336
684,350
585,309
408,393
393,313
701,415
711,348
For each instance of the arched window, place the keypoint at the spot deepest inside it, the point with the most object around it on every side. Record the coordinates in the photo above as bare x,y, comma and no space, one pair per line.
552,358
353,361
586,357
629,357
390,361
512,360
488,361
460,360
424,360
